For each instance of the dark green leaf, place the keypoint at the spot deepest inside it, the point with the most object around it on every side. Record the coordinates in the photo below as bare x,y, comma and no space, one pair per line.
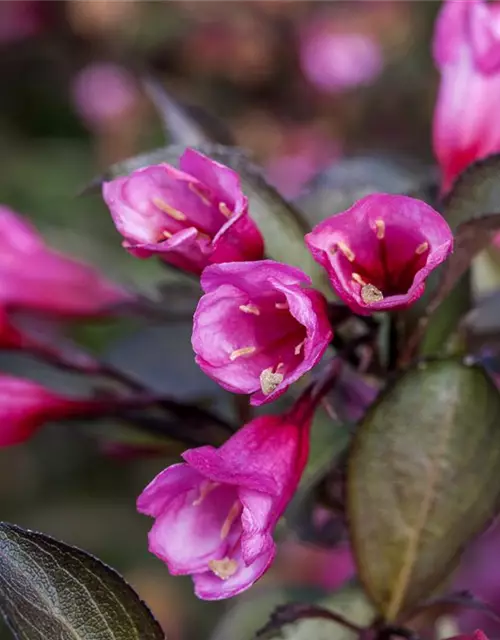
476,193
185,124
345,181
322,621
323,490
49,591
280,223
422,480
289,613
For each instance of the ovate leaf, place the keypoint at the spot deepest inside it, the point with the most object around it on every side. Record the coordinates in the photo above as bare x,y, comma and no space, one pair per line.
422,480
49,590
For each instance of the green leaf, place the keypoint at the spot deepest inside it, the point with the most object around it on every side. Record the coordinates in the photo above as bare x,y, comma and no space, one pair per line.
422,480
476,193
349,179
185,124
349,603
472,209
50,590
281,224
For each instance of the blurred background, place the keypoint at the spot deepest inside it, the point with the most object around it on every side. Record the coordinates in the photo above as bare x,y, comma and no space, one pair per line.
302,85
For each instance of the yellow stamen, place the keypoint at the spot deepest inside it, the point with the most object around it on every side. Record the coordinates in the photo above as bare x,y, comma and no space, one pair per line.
347,251
234,512
299,347
225,210
380,229
422,248
269,380
197,192
370,294
250,308
357,278
205,488
224,568
170,211
244,351
167,234
281,305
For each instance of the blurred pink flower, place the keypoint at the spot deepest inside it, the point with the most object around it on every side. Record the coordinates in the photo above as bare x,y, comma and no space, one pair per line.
19,19
335,61
304,153
379,252
467,52
102,92
25,406
35,277
191,218
215,513
258,328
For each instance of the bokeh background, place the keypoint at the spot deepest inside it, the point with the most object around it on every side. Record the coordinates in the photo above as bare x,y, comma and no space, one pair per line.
301,85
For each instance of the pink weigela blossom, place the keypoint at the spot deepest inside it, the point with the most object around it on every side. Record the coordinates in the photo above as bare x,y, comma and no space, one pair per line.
34,277
379,252
25,406
215,513
190,218
466,124
258,328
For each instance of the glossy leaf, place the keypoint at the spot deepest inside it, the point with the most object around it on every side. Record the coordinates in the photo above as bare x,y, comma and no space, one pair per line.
281,224
51,590
422,480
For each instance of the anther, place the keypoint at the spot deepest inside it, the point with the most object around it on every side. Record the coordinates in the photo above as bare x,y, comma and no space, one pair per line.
198,192
347,251
281,305
380,229
422,248
244,351
250,308
225,210
269,380
357,278
370,294
170,211
224,568
166,234
234,512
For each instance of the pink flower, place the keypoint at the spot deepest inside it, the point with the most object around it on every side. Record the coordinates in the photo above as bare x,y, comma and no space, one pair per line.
25,406
191,218
339,61
215,514
258,329
35,277
102,92
20,19
379,252
467,53
477,635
